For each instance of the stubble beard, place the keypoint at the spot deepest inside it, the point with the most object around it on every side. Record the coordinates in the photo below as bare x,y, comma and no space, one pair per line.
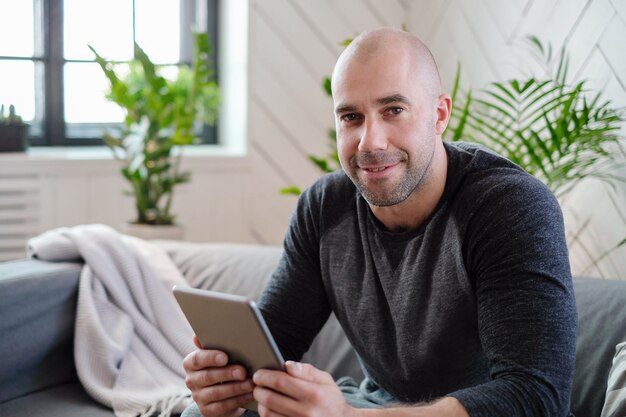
385,193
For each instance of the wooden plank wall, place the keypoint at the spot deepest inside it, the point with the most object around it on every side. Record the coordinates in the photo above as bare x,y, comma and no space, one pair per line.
486,36
294,44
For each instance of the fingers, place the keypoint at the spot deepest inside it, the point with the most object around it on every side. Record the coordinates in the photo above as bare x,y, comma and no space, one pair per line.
273,404
228,407
308,372
207,377
201,359
296,383
217,388
301,390
264,412
196,342
224,392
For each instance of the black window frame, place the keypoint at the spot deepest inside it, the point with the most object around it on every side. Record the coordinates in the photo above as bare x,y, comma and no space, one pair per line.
49,63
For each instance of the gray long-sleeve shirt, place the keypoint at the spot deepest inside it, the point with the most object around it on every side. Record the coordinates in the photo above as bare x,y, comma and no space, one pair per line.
477,303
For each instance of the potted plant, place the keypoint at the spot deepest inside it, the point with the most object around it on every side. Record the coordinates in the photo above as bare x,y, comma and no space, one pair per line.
161,117
557,130
13,131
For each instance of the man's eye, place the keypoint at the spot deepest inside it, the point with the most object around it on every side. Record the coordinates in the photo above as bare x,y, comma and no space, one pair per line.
396,110
350,117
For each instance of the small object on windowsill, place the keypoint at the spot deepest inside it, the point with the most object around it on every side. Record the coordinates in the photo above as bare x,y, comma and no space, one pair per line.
13,132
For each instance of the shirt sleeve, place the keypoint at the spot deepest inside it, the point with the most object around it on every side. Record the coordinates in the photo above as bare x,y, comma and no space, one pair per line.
294,303
517,255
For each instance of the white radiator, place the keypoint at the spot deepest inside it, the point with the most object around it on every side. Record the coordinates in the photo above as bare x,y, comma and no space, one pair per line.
20,213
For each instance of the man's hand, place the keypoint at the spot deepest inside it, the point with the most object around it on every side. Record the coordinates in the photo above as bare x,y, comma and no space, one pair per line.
305,391
218,389
302,391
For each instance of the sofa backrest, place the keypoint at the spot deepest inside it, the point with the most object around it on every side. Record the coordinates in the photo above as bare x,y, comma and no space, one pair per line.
601,306
37,308
38,305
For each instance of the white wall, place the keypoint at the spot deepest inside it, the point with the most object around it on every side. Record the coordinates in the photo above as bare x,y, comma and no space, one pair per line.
292,46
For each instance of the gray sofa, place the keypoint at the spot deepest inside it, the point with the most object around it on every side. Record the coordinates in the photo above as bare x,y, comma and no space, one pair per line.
37,305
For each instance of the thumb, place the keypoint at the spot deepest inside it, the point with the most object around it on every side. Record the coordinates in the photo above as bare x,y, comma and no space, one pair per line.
308,372
196,342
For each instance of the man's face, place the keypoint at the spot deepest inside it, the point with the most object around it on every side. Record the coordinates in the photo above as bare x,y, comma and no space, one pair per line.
385,124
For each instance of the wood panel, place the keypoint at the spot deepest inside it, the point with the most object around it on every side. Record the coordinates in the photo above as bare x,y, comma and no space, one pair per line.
293,44
296,44
486,37
586,34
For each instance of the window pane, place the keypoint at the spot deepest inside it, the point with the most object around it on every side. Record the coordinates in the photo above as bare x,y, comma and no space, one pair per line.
16,28
85,87
17,85
105,25
158,29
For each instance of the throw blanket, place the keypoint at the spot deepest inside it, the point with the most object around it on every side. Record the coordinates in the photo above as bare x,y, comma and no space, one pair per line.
131,336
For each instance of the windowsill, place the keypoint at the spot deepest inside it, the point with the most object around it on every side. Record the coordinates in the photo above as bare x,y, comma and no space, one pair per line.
100,158
104,153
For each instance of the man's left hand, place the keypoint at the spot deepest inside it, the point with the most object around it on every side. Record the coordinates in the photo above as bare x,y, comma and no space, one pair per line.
302,390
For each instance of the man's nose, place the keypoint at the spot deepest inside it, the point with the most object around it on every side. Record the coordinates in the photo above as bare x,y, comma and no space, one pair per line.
372,137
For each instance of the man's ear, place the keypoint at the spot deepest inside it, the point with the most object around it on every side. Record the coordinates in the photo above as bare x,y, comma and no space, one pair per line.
444,110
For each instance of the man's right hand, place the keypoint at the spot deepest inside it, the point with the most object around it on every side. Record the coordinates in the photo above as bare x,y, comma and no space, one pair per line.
219,389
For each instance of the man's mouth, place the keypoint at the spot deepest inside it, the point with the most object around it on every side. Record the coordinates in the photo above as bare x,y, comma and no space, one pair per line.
377,169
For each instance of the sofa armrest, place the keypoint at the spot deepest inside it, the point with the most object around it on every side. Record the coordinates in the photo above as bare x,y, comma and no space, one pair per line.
37,310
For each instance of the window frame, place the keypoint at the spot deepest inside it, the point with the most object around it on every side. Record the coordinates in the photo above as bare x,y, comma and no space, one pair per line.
49,65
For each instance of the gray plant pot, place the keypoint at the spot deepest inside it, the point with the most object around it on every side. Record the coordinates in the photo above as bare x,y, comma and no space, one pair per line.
13,138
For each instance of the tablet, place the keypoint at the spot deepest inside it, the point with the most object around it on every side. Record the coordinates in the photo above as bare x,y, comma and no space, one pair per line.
232,324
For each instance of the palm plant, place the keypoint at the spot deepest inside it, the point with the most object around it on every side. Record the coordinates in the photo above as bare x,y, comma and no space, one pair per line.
557,131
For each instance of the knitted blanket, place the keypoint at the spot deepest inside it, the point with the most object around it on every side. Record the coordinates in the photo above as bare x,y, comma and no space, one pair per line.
130,335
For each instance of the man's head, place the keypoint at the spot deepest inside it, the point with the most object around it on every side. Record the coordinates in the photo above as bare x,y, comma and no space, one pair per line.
389,112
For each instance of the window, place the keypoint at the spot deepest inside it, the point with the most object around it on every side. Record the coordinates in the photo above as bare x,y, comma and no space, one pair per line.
48,72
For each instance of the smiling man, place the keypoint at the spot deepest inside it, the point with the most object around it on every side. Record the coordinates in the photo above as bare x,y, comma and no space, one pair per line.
445,264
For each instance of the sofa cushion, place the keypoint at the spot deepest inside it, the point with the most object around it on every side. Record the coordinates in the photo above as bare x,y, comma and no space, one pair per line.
601,326
66,400
37,325
232,268
244,270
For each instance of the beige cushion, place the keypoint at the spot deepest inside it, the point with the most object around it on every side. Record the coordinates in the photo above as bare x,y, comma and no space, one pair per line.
244,270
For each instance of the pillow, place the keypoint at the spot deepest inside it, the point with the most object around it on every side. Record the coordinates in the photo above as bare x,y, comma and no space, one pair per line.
244,269
615,403
233,268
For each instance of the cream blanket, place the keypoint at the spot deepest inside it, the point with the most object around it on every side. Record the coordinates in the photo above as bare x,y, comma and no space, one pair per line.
130,335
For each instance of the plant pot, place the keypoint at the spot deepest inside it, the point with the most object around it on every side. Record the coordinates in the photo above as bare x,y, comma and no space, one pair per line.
150,232
13,138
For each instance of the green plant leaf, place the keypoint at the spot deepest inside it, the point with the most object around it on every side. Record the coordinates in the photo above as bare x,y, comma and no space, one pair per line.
293,190
346,42
462,119
320,163
327,87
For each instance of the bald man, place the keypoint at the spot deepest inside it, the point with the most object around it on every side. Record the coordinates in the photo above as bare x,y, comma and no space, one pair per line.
445,264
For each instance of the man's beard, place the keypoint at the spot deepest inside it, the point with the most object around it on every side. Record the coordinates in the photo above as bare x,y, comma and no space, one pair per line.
415,176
